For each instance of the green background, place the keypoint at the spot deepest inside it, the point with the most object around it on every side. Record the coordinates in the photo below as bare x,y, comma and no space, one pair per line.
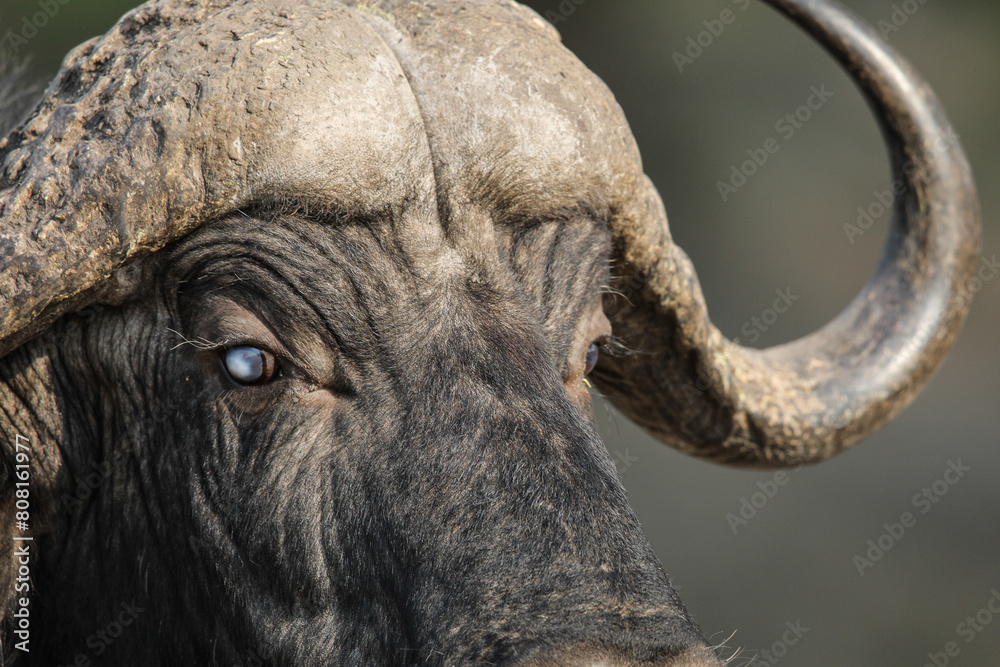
784,229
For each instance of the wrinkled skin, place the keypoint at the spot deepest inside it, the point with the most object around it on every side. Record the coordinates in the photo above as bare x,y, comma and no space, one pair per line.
419,483
414,219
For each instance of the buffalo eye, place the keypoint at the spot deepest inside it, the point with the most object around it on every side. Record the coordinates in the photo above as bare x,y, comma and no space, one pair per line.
591,360
248,366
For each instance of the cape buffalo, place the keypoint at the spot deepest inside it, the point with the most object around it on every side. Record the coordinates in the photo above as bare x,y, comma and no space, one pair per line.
301,304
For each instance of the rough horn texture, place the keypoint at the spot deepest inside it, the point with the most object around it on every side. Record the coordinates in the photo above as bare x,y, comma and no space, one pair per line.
807,400
74,212
404,214
405,209
342,420
141,139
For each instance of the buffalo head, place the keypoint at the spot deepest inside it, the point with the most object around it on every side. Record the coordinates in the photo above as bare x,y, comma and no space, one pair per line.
300,300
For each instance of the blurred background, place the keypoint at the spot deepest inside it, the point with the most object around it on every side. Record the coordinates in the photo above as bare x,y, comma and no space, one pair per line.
700,89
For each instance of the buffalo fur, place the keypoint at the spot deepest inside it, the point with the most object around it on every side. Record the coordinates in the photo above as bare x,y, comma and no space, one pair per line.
419,483
416,487
411,210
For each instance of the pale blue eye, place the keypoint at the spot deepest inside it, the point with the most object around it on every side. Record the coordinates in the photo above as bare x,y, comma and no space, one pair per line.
248,365
592,353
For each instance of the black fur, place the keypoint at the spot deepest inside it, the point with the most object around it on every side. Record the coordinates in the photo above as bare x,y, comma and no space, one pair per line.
417,488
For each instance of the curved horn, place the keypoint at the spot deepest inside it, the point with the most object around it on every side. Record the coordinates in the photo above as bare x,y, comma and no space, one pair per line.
96,176
186,110
807,400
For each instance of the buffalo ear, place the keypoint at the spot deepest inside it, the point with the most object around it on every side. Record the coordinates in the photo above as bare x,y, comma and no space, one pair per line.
809,399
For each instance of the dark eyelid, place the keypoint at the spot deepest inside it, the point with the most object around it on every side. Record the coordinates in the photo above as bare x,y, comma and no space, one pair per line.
234,325
251,341
226,344
613,346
